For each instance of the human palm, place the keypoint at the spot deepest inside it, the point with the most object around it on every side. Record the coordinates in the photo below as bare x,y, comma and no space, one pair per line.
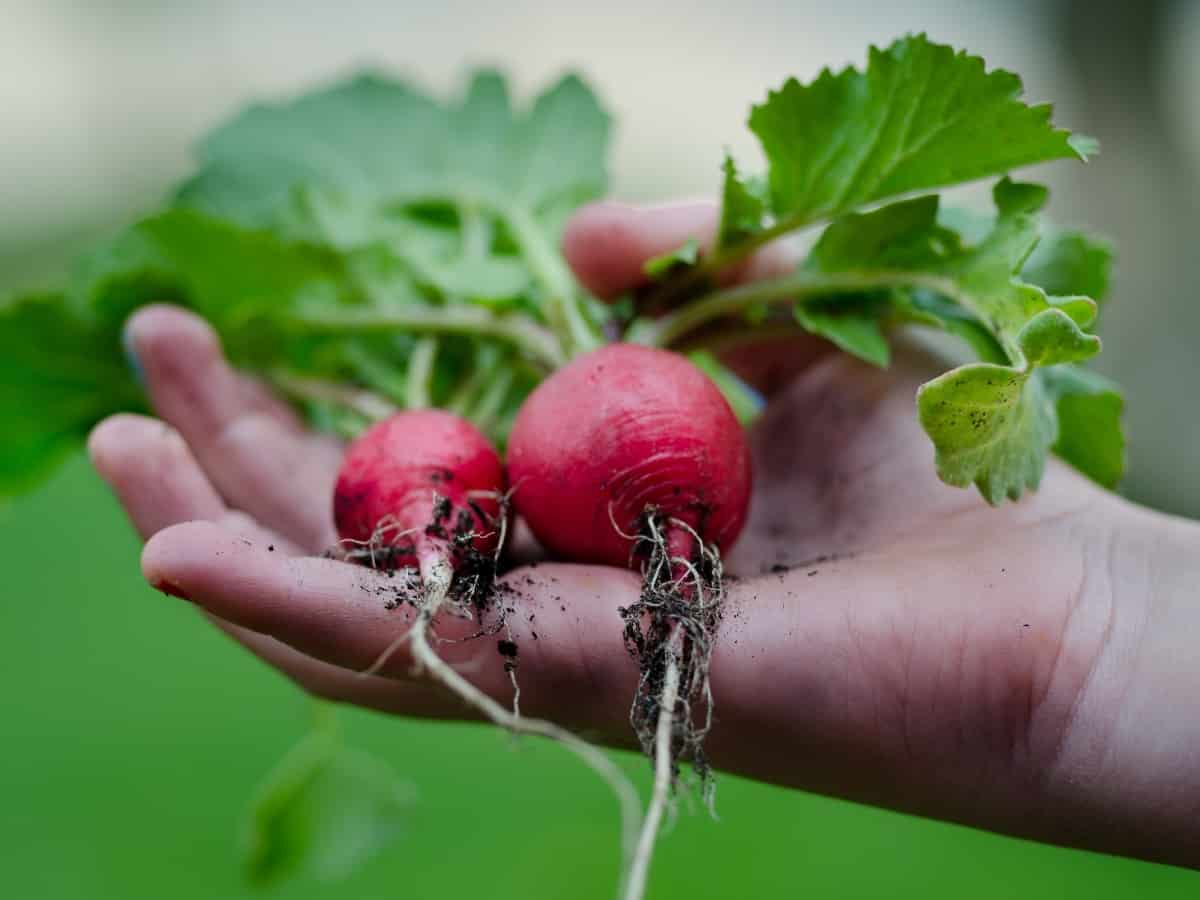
887,638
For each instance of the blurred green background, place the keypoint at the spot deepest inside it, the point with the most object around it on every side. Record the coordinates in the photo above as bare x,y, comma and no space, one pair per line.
132,735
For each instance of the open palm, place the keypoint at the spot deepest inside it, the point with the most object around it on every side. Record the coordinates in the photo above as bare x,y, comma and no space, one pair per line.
888,639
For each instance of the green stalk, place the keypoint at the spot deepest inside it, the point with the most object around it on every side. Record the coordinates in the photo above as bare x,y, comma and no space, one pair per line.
379,375
465,395
420,374
708,267
490,402
527,336
362,402
563,308
671,329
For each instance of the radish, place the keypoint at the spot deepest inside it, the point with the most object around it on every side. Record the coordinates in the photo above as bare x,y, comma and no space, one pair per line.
421,488
423,491
631,456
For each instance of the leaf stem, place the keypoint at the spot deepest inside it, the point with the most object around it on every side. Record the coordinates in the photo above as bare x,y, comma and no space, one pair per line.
363,402
562,302
534,341
798,287
437,574
490,402
722,258
420,374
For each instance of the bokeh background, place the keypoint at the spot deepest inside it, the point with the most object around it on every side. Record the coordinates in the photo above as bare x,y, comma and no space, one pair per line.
131,735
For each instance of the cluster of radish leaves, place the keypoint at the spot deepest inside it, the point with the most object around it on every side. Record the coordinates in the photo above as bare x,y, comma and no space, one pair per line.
367,248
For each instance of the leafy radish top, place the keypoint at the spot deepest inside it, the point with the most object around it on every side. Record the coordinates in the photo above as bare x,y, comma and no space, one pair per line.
367,248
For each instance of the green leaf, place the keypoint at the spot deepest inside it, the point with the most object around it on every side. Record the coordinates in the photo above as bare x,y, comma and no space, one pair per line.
1071,262
742,207
1051,338
666,263
920,116
368,136
991,426
223,271
986,282
853,328
745,402
991,423
1089,411
1065,261
561,147
496,181
323,812
905,235
922,307
374,141
60,373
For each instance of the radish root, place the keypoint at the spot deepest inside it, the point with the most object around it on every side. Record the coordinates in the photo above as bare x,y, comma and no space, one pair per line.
442,590
426,658
664,773
670,629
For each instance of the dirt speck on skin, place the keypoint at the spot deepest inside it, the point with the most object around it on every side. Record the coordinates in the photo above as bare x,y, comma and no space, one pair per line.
270,548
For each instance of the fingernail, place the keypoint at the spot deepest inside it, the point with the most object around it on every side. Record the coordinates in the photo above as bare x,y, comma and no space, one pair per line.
131,357
170,589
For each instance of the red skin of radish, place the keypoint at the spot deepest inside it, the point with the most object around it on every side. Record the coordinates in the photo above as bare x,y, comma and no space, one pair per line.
397,467
616,431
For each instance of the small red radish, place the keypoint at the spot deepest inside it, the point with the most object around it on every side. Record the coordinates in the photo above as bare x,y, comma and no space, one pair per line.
626,449
416,482
618,432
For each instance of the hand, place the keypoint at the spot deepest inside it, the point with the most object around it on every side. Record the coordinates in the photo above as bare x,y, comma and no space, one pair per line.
1030,669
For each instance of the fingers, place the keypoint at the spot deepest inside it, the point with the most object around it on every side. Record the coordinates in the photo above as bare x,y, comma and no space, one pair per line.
152,472
159,483
250,446
869,678
333,683
572,663
607,244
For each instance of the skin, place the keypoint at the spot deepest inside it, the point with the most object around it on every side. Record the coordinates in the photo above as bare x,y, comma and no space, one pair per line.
1030,669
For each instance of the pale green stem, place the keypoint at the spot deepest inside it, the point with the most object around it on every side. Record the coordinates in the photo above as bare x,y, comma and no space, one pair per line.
487,359
420,373
530,338
476,232
492,399
382,376
365,403
672,328
563,309
325,718
710,265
